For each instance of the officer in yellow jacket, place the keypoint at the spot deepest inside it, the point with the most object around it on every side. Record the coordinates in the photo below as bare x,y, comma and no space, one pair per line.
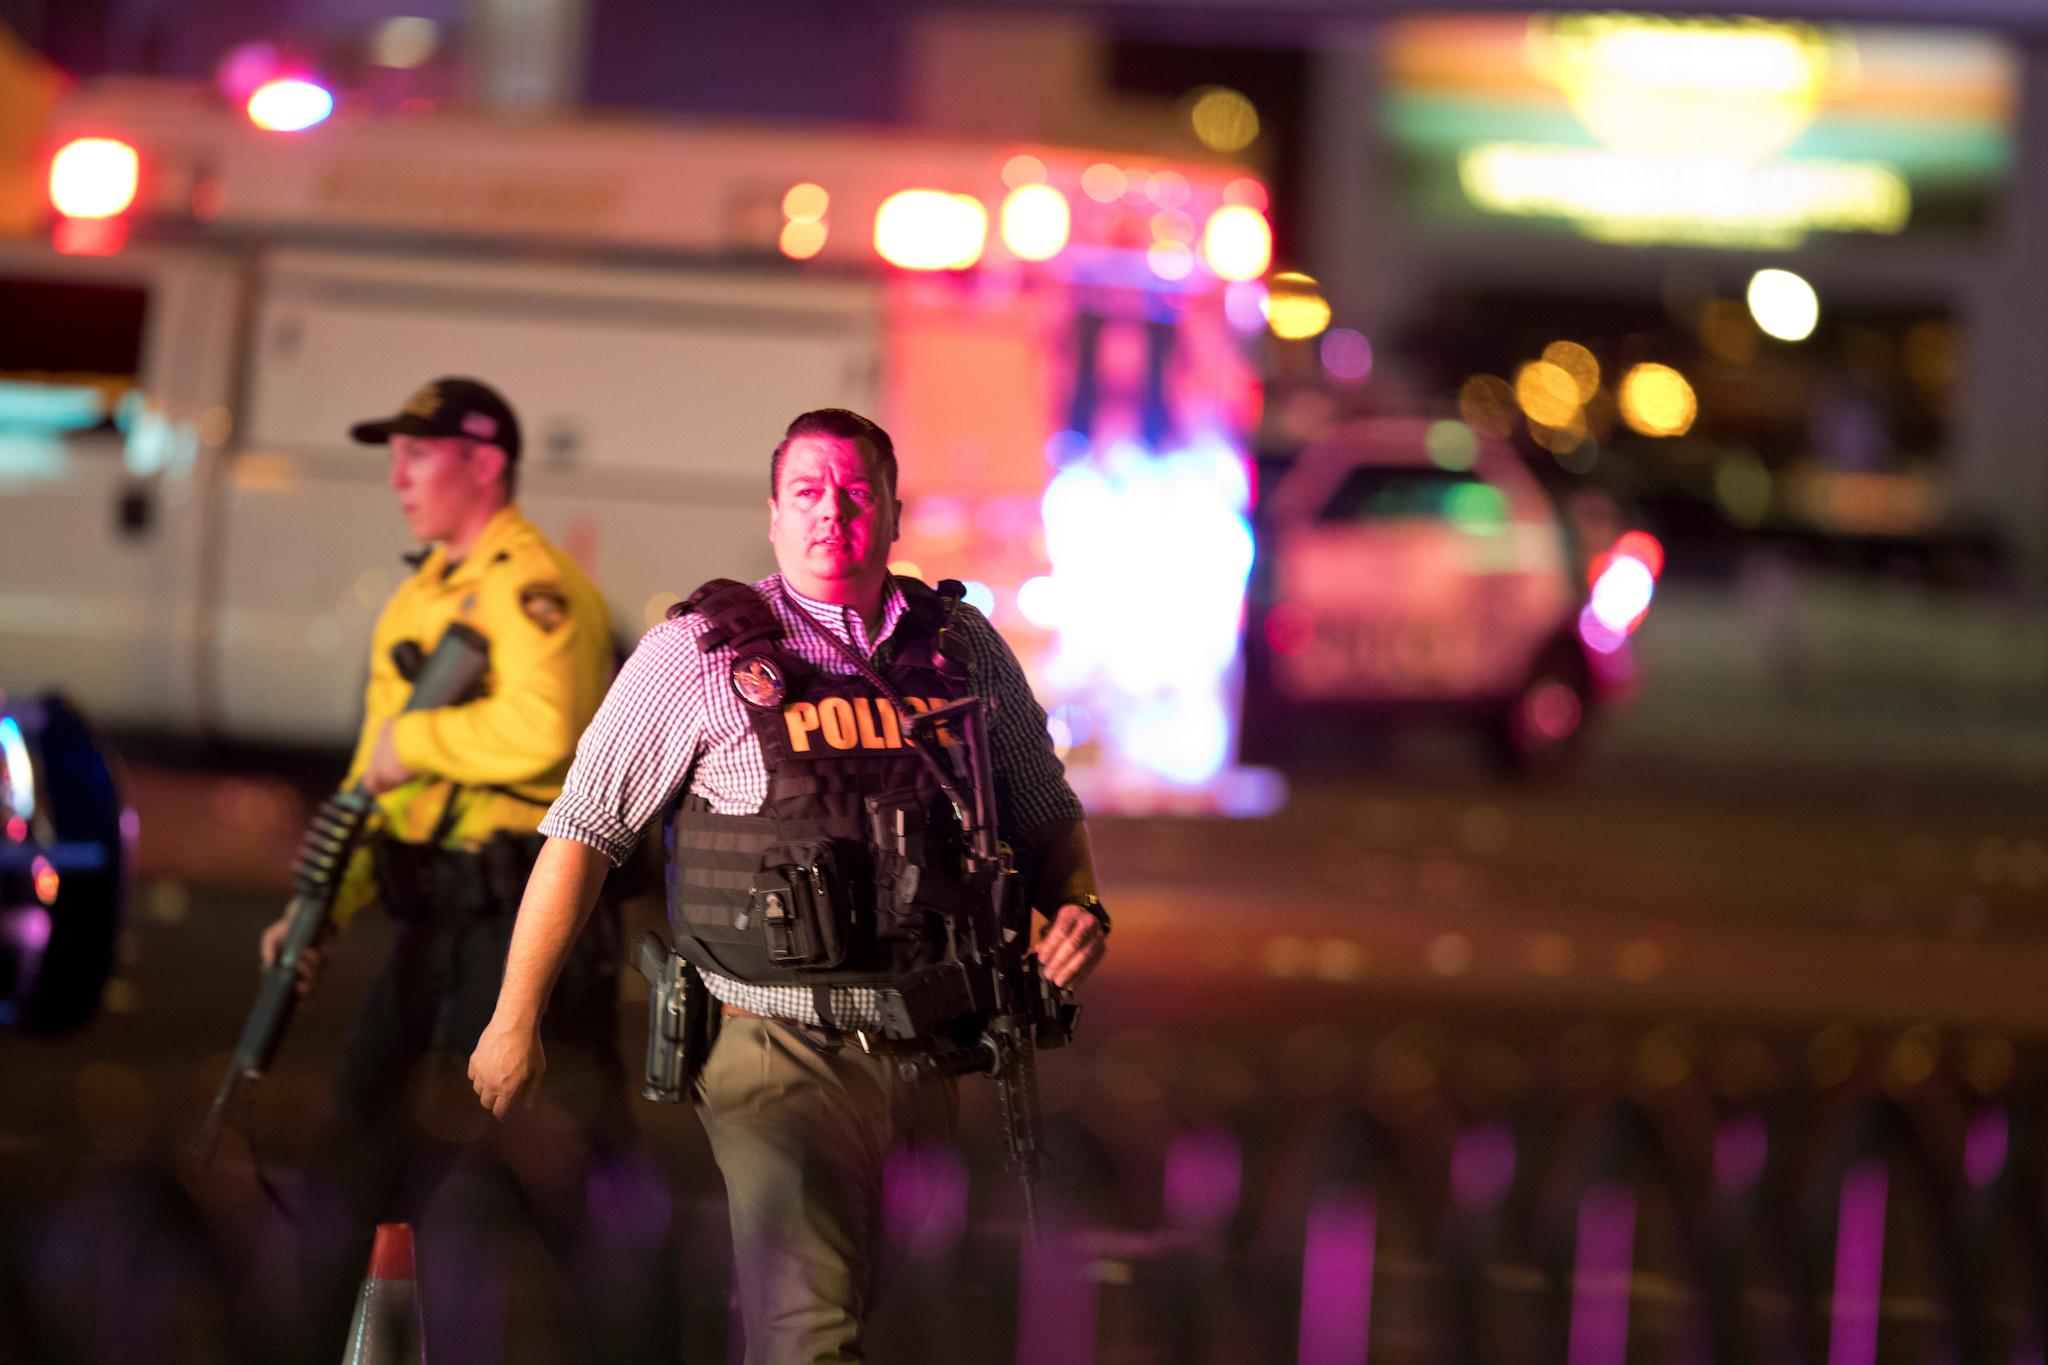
460,792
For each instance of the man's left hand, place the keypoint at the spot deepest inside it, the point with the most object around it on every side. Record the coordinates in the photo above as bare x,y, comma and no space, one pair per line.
386,770
1072,947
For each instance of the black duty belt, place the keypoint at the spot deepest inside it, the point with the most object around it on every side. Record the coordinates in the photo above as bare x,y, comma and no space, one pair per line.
415,881
828,1039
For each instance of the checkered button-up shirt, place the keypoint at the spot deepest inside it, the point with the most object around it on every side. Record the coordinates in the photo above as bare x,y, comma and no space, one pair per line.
672,724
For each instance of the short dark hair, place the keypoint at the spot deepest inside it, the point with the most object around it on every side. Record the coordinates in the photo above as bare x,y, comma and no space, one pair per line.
843,424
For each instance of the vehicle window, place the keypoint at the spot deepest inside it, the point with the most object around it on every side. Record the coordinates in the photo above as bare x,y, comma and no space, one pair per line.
69,351
1375,493
68,327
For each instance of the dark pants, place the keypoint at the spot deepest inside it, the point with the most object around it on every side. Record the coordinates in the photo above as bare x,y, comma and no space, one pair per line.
405,1121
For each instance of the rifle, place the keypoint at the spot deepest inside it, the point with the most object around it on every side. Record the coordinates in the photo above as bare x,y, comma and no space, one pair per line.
456,665
1020,1010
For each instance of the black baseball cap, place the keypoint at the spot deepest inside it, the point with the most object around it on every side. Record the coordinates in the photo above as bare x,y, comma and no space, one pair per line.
449,407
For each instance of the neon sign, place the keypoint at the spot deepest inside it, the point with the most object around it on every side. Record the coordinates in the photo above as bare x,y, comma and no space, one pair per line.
1718,132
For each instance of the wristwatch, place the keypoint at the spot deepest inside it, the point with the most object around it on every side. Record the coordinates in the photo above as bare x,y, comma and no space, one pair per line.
1093,905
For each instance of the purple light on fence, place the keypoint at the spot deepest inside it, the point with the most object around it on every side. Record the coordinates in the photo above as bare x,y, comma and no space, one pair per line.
1742,1147
626,1200
29,927
1859,1264
1055,1302
1602,1268
924,1199
1204,1176
463,1315
1336,1280
1482,1165
1985,1147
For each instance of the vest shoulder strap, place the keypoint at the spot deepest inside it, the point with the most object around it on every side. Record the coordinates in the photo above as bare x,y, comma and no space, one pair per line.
739,616
934,609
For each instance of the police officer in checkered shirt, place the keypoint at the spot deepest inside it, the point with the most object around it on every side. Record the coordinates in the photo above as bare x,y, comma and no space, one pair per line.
747,717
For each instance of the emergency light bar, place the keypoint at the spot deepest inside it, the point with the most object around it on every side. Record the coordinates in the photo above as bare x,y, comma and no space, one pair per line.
916,202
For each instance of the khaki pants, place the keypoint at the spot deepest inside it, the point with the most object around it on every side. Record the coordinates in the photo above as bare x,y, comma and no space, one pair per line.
802,1136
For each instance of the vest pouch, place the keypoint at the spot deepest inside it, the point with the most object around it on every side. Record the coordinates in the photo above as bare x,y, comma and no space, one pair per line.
800,901
896,833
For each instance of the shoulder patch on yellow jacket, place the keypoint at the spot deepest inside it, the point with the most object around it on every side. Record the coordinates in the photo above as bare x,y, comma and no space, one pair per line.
545,604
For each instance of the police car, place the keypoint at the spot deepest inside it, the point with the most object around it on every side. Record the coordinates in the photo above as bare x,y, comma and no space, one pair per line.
1411,568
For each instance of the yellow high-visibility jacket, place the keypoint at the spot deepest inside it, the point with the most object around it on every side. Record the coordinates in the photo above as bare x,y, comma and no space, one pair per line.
496,763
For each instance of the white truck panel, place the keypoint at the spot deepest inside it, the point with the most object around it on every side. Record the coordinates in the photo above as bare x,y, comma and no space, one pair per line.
111,616
649,400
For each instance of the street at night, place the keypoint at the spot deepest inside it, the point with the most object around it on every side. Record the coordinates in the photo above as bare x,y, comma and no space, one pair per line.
1705,928
1071,682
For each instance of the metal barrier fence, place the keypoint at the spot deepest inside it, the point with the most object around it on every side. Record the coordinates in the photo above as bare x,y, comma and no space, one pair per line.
1689,1204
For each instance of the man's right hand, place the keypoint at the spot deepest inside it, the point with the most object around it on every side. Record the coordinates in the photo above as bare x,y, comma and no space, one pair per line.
272,943
507,1066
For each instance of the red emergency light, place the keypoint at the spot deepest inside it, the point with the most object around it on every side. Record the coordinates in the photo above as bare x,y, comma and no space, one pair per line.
94,177
931,230
93,181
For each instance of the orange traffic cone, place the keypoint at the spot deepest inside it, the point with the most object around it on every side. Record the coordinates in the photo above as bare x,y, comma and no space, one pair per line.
387,1326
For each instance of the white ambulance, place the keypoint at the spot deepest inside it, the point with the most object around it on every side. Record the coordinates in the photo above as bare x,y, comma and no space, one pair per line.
190,544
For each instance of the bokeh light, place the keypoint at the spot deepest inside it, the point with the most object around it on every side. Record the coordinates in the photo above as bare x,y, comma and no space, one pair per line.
1167,189
980,596
930,230
1578,362
1237,242
1038,601
1170,261
1023,169
1563,439
245,67
1104,183
1247,192
1223,119
1171,225
1452,445
801,240
1244,305
1295,307
1487,403
1477,509
1548,394
1036,222
1783,304
289,105
404,42
806,203
1623,592
1743,488
94,177
1657,400
1643,547
1346,355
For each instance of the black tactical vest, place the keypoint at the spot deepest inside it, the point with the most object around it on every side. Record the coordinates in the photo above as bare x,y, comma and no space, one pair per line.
848,874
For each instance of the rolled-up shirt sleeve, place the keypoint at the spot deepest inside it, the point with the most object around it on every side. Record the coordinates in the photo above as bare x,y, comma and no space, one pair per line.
639,749
1031,782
